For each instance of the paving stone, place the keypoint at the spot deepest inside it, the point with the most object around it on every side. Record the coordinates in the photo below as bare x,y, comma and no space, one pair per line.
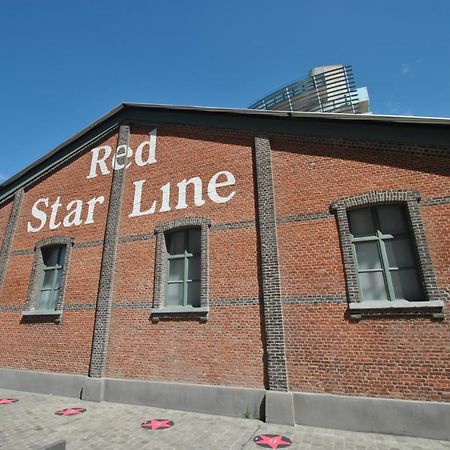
32,423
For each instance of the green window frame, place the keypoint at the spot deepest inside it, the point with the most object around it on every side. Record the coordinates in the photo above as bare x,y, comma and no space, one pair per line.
183,287
385,254
51,277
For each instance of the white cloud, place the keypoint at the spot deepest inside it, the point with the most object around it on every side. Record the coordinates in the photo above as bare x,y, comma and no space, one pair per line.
393,107
406,68
2,178
397,109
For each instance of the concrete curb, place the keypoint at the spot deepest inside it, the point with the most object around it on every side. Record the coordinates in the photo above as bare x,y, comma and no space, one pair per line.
376,415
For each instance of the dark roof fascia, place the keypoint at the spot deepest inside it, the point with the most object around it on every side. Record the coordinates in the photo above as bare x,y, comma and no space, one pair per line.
410,130
400,129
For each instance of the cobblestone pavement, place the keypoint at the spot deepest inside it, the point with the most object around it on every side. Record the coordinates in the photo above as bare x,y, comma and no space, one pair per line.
31,423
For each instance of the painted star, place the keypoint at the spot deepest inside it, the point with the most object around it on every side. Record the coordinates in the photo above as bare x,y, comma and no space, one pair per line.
273,441
157,424
7,401
70,411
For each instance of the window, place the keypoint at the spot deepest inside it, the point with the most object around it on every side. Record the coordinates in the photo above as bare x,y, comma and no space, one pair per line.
53,260
48,275
183,265
387,264
384,254
181,269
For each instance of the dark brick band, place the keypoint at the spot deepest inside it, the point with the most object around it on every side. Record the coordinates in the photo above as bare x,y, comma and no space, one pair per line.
130,304
88,244
28,251
79,306
9,234
105,292
233,225
213,303
10,308
67,307
304,217
137,237
365,144
229,302
305,299
270,271
433,201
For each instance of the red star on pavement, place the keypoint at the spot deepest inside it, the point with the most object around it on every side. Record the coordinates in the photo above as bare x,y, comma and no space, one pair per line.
157,424
7,401
70,411
273,441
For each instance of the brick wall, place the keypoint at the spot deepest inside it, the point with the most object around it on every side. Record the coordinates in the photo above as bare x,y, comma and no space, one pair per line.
4,215
40,344
436,220
385,357
227,349
402,358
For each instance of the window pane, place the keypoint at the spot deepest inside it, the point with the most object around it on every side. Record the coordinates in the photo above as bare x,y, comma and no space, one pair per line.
58,278
400,252
193,293
174,294
54,299
175,243
194,244
367,255
407,285
361,222
183,284
392,219
62,254
372,286
50,255
48,279
194,268
45,300
176,269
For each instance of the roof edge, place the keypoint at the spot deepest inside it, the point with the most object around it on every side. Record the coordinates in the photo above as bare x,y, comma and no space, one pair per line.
115,116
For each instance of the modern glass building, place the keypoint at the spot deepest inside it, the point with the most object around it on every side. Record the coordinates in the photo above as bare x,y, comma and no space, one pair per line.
325,89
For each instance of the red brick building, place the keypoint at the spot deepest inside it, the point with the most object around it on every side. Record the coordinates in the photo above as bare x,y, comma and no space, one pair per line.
288,266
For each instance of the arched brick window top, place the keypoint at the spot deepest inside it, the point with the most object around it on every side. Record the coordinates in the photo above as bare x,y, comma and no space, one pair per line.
181,269
184,222
386,258
48,277
54,240
375,197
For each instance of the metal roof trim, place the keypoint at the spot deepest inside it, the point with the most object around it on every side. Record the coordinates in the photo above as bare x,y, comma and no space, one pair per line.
320,116
315,115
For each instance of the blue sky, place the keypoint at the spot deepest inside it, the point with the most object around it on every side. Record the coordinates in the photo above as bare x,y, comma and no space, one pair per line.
66,63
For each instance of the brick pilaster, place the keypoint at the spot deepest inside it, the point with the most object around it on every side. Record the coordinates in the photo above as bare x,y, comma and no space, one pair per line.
270,272
105,291
5,249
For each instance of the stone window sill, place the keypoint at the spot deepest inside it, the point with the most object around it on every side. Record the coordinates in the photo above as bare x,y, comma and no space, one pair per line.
200,313
52,315
434,309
